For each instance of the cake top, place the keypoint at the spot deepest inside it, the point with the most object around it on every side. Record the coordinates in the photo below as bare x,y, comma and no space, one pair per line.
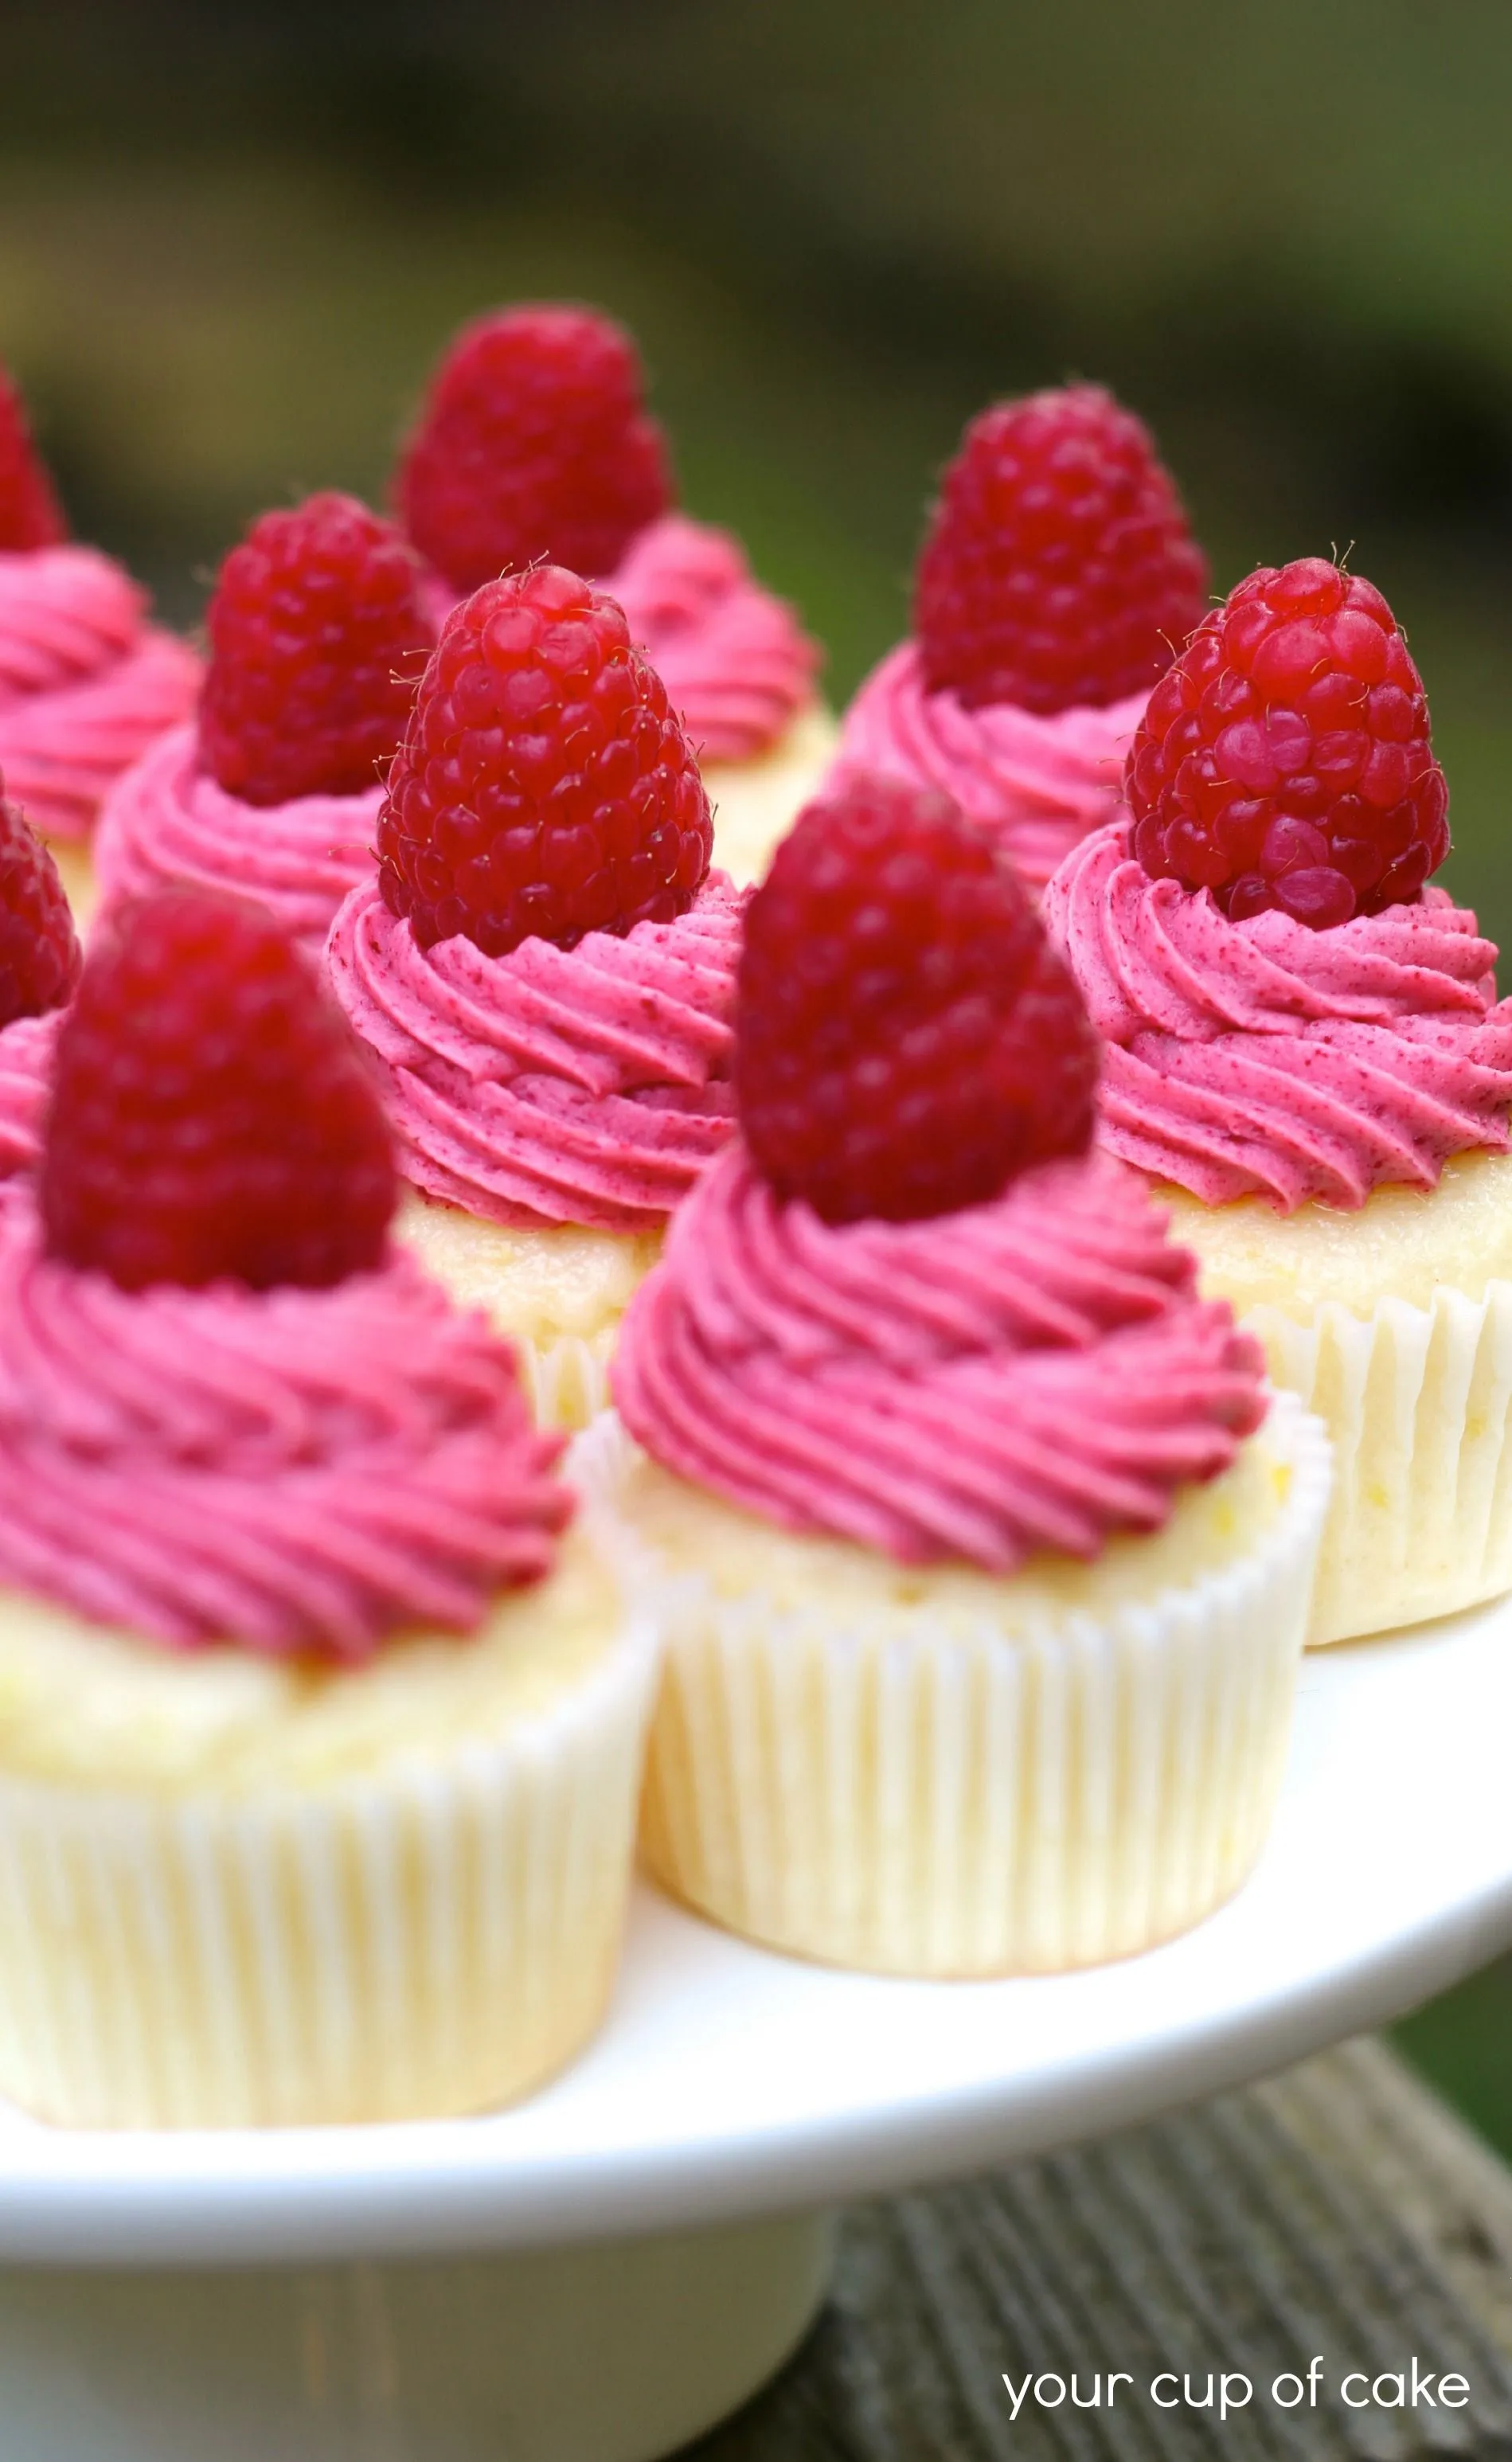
533,442
544,786
39,951
30,515
318,637
1286,759
211,1118
1058,571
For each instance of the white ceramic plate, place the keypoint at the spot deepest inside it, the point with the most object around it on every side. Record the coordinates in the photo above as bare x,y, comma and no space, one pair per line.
729,2082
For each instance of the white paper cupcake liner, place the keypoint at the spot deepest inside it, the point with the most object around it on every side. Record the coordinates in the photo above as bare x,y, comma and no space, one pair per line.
1417,1402
436,1938
566,1380
990,1801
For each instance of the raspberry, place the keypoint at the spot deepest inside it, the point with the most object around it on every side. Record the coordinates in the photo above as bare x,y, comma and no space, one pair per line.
1058,572
1284,761
30,515
906,1039
210,1119
533,443
544,786
39,953
317,639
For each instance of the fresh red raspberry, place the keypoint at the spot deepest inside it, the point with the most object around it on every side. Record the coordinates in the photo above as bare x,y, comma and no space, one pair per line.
211,1118
317,639
906,1039
30,515
543,786
533,443
1284,761
1059,572
39,952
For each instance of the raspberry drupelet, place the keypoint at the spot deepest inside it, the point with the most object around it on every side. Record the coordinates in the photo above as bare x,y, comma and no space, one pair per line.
212,1117
30,515
544,786
906,1038
1286,759
39,951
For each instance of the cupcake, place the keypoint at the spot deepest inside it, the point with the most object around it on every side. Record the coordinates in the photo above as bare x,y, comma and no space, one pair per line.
1057,580
1307,1060
86,683
320,1733
983,1567
40,964
543,969
534,444
318,637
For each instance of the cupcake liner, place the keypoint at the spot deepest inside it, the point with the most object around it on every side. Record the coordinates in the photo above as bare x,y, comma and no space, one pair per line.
1417,1402
970,1799
566,1380
431,1940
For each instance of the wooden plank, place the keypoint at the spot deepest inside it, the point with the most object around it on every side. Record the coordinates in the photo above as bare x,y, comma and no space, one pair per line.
1337,2212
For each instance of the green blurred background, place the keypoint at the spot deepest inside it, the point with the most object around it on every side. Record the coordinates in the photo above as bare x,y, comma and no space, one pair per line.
231,240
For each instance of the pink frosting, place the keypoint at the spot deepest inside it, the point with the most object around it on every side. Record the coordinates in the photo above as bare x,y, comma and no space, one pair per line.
86,684
737,664
1263,1059
291,1469
579,1085
167,820
1034,1373
26,1066
1035,785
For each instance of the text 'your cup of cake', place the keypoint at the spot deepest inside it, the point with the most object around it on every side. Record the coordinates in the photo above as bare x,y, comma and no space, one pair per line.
982,1563
1057,582
318,633
1308,1057
534,445
86,681
544,969
321,1731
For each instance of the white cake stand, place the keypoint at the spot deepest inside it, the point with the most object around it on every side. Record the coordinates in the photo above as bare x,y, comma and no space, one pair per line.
602,2274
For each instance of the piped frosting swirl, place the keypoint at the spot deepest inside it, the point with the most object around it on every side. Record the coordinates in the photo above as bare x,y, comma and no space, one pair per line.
1035,1373
26,1067
1263,1059
586,1086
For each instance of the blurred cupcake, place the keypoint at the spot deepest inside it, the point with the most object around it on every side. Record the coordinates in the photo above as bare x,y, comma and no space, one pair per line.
318,637
543,970
534,445
39,963
1056,583
319,1746
982,1569
86,683
1308,1058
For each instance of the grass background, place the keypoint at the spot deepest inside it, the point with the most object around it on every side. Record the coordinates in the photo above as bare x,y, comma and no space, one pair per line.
232,240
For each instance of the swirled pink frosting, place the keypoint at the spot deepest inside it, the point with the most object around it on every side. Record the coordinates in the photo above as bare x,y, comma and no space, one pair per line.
168,820
553,1086
1034,785
86,683
1034,1372
1263,1059
295,1471
26,1067
737,664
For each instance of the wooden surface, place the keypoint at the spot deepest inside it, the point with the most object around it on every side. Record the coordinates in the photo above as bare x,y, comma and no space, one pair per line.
1337,2212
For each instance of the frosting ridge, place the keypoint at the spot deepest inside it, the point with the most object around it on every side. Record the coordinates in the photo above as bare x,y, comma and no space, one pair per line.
26,1067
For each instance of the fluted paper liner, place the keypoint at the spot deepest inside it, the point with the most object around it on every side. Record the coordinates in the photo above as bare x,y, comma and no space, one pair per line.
981,1802
566,1380
431,1940
1417,1402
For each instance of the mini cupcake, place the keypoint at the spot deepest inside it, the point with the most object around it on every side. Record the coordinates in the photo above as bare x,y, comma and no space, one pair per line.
982,1568
40,964
318,637
543,968
1308,1058
86,683
1056,583
534,444
319,1745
